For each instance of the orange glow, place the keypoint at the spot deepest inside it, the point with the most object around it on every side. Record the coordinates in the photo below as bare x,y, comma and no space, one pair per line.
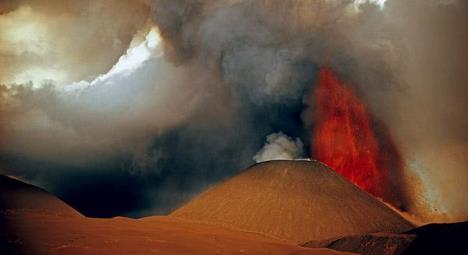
343,137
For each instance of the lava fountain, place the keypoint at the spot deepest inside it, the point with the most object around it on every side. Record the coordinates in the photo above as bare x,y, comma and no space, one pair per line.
345,138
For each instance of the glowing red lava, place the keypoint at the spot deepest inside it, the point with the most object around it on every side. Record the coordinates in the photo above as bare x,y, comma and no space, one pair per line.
344,138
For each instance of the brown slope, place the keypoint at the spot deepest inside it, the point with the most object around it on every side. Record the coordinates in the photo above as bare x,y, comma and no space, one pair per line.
368,244
56,235
16,196
293,200
33,221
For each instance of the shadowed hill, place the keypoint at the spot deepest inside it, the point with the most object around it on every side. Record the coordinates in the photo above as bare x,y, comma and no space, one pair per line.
429,239
19,196
293,200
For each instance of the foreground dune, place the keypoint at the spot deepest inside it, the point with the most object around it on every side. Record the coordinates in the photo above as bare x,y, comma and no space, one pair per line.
45,234
35,222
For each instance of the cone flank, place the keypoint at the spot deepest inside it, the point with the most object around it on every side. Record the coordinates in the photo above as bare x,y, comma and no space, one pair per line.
293,200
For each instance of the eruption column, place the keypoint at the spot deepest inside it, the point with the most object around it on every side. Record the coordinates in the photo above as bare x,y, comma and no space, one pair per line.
344,137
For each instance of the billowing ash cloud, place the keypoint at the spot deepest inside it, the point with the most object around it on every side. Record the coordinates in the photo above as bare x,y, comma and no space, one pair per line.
267,52
228,73
138,98
64,40
280,146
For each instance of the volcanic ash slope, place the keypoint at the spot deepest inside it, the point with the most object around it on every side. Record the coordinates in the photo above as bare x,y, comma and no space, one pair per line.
293,200
33,221
17,196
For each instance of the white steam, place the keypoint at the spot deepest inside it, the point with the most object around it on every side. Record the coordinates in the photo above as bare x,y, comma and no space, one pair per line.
380,3
280,146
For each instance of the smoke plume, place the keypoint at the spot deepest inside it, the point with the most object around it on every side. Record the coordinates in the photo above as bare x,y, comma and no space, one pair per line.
279,146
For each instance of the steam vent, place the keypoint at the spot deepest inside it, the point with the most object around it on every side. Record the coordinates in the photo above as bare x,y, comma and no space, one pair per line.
293,200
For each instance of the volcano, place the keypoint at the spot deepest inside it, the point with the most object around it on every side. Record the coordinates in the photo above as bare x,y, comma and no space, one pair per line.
33,221
293,200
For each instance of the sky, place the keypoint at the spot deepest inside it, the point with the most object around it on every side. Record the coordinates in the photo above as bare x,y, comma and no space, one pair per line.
124,107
